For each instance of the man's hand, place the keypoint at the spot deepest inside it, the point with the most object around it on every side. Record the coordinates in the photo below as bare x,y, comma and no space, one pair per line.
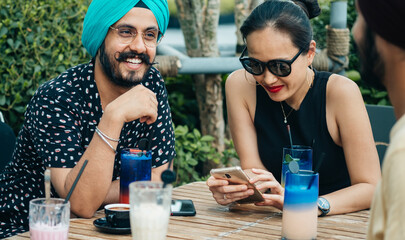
137,103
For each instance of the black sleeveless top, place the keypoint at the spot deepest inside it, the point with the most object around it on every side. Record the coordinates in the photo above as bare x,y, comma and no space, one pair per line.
308,127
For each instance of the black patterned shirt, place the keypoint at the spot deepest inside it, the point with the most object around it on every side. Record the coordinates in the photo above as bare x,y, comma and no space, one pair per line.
59,124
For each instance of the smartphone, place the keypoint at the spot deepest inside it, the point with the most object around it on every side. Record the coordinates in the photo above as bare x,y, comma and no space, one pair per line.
182,207
235,175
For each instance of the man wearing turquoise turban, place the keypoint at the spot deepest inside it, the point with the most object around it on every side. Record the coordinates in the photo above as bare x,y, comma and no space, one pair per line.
91,112
102,14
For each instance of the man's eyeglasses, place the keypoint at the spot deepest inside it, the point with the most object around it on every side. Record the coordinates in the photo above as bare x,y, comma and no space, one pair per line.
151,37
278,67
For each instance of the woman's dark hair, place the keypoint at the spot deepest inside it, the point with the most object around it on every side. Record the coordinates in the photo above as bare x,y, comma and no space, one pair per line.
285,16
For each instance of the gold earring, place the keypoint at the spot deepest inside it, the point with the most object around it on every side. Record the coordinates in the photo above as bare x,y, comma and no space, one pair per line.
309,81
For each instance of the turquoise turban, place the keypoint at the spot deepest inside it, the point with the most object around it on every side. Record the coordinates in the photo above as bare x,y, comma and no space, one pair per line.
104,13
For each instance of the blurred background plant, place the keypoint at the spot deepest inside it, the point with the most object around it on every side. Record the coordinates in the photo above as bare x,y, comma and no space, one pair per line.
193,150
39,39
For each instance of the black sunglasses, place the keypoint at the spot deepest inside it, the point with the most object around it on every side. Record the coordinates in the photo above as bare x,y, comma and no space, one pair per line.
278,67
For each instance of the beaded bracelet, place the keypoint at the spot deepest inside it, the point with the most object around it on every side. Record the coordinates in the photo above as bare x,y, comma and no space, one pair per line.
105,140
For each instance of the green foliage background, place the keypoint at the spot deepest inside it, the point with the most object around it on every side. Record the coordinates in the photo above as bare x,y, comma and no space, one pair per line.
39,39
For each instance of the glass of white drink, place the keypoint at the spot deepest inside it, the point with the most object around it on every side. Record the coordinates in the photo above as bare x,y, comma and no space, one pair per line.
149,209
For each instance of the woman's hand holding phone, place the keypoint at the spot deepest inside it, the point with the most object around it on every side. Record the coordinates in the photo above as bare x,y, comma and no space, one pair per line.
227,189
232,185
224,193
266,182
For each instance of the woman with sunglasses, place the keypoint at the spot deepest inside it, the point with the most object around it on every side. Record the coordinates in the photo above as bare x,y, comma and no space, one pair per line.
279,88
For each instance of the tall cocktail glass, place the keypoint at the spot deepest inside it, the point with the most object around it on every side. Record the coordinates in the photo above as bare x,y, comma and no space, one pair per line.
149,210
49,219
300,211
136,165
300,154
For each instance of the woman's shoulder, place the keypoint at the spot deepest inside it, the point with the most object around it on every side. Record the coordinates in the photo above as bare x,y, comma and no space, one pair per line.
239,80
236,76
340,86
240,91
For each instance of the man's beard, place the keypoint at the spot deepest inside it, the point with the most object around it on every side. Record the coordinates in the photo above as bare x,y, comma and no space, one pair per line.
372,69
111,69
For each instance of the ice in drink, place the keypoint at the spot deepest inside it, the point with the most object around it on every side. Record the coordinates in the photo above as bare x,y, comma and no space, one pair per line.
149,209
149,221
301,154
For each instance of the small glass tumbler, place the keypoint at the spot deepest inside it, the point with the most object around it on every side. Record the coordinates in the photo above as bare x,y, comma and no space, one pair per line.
149,210
49,219
300,211
136,165
301,154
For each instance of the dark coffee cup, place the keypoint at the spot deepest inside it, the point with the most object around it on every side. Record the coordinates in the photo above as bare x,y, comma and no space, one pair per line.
117,215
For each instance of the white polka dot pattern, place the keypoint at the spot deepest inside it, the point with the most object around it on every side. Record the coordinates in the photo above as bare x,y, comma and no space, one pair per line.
59,124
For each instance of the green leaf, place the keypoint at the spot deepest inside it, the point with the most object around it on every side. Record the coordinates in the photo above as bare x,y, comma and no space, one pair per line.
2,100
10,42
3,31
207,138
381,94
205,149
196,133
19,109
365,91
353,75
181,130
192,162
288,158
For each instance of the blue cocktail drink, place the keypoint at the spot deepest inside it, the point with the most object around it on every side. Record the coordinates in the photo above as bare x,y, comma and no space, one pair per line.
135,166
300,211
301,154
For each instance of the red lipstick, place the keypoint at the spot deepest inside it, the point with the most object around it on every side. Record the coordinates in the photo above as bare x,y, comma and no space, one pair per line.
275,89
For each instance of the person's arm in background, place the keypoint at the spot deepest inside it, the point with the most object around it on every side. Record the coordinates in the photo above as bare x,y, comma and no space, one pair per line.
387,215
349,127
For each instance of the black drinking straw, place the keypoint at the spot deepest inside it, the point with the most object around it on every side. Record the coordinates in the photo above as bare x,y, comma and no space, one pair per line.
150,139
317,167
168,176
76,180
289,134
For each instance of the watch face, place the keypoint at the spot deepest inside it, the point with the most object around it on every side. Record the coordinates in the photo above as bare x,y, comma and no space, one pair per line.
323,203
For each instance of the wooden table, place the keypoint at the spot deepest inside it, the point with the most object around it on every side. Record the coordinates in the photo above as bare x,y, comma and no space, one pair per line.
214,221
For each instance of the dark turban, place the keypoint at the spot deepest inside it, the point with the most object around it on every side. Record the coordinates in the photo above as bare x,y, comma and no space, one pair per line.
104,13
386,18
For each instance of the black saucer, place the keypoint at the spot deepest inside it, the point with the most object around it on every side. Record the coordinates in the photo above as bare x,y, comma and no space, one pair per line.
104,226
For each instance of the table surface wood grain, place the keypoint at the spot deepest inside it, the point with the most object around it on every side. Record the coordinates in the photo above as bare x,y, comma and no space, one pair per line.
214,221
